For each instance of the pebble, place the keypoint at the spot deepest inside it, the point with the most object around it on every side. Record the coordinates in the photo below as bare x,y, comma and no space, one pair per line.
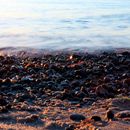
77,117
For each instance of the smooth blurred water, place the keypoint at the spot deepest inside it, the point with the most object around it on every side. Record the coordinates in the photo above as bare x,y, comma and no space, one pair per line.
57,24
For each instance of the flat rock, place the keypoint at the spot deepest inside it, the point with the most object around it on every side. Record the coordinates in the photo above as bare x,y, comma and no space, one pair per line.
77,117
121,103
123,114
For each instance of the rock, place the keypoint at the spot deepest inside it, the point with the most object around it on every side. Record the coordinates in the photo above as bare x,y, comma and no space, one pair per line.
3,110
126,81
71,127
31,118
77,117
88,101
80,95
110,115
123,114
125,53
107,79
96,118
63,85
7,82
28,119
75,83
122,103
52,125
101,91
126,75
3,102
82,73
27,79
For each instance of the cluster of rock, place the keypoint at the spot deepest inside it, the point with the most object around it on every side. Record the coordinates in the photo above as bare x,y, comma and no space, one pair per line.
82,78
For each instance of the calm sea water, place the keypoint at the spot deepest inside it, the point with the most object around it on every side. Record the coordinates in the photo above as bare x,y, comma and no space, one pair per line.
57,24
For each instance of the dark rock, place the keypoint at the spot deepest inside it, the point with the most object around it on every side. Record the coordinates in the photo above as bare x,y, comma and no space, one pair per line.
27,79
107,79
101,91
75,83
110,115
70,127
88,101
96,118
64,85
81,73
3,102
125,53
126,75
7,82
23,97
28,119
123,114
3,110
77,117
126,82
31,118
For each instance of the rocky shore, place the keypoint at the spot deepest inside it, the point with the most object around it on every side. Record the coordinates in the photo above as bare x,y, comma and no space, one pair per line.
64,91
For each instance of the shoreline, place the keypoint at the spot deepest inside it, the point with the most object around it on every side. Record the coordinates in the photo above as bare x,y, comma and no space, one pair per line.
65,91
35,52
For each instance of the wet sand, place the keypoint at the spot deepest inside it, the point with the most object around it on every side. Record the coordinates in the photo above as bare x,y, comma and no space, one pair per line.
65,91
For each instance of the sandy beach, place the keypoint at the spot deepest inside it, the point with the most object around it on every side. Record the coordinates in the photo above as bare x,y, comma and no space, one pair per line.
65,91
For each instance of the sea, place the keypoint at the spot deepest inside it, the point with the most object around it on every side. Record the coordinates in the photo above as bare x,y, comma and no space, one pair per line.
65,24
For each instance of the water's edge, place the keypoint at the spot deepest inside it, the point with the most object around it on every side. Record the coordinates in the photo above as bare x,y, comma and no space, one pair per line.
32,52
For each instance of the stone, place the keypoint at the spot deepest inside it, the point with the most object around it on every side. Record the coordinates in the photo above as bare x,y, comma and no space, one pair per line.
3,110
31,118
77,117
123,114
96,118
110,115
126,81
101,91
3,102
70,127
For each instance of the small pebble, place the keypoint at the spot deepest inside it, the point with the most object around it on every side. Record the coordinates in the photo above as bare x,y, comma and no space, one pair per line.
77,117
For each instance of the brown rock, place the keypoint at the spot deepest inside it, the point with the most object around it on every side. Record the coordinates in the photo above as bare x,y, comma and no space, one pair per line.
123,114
126,82
31,118
101,91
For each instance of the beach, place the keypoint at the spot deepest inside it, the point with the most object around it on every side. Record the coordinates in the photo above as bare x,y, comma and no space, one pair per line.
65,91
64,65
